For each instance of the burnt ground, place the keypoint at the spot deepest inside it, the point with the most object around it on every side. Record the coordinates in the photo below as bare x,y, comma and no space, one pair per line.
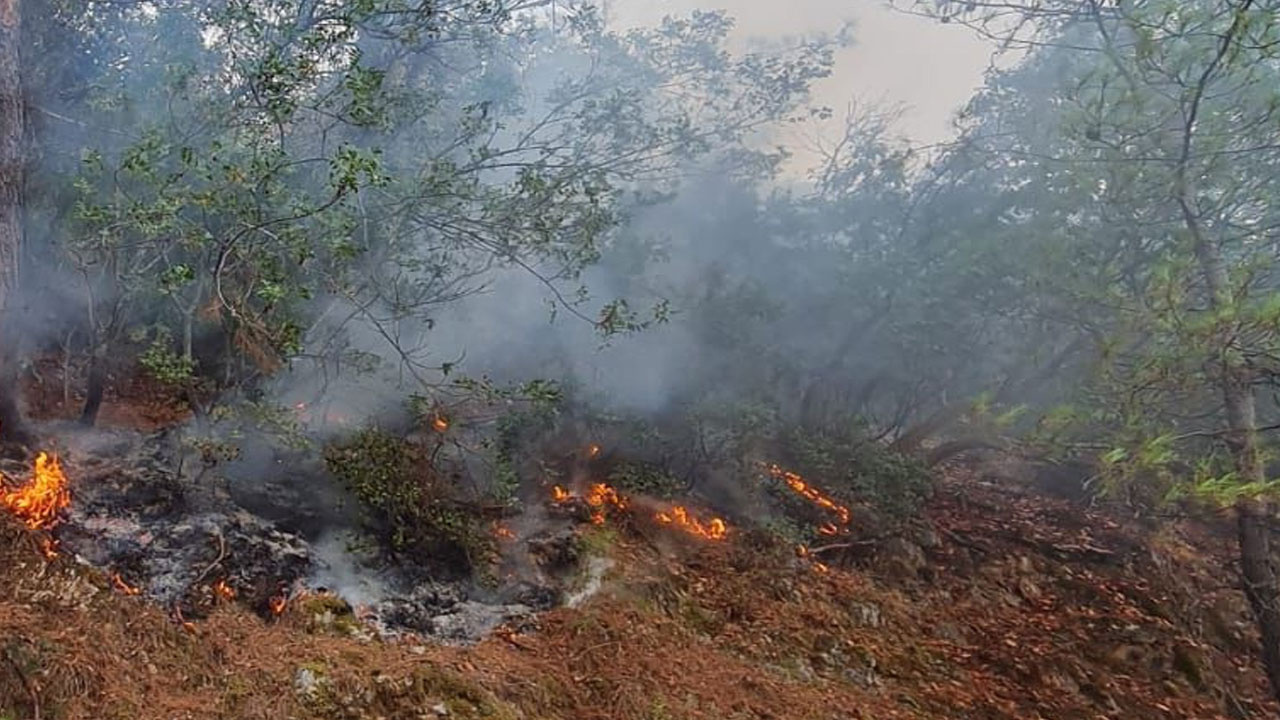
1005,604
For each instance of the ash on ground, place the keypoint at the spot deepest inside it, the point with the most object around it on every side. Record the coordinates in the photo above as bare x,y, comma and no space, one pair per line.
163,522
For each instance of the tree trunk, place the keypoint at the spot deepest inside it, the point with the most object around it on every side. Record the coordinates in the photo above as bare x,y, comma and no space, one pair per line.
12,140
1260,580
97,384
1261,586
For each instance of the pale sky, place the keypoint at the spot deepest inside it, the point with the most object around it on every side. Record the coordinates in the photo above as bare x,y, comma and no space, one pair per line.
928,67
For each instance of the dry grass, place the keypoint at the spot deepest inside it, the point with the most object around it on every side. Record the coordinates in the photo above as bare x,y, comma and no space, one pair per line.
721,630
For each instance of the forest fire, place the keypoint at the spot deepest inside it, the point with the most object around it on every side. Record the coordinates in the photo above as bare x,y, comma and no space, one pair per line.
38,502
813,495
678,516
601,497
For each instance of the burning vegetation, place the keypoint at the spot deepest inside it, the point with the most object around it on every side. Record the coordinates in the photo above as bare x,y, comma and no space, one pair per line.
602,498
39,501
678,516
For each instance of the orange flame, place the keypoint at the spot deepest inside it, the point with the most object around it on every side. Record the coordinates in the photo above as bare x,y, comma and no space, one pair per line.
602,496
440,423
803,553
277,604
123,586
810,493
713,529
39,502
599,497
49,547
224,591
503,531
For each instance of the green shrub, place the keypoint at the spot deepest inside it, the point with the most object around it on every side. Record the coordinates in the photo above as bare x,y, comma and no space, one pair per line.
644,479
406,504
856,466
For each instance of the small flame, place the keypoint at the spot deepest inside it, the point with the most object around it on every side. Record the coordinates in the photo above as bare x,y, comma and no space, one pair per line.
277,604
49,547
223,590
123,586
440,423
804,553
810,493
593,450
601,497
503,531
713,529
39,502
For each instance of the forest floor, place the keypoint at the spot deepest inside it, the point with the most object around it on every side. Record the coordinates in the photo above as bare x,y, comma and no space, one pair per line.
1001,602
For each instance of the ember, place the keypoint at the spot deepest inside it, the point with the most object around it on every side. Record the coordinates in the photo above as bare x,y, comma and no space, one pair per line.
593,450
713,529
38,502
440,423
223,590
503,531
123,586
277,604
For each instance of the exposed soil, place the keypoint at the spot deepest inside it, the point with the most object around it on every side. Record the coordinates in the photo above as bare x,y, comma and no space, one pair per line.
54,390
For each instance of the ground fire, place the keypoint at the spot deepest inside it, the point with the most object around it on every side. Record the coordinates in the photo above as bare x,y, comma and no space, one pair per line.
600,497
678,516
39,502
813,495
817,497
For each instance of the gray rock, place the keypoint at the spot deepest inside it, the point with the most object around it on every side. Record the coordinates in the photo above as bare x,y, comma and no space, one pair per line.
865,614
307,683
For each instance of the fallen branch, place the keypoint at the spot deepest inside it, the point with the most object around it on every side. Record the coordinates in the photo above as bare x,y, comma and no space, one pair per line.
222,554
844,545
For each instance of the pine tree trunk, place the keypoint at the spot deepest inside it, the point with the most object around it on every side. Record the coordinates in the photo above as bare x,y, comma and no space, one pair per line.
1259,577
12,139
1261,585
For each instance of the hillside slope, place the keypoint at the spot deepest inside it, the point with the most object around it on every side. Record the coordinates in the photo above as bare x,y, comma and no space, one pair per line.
1005,604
